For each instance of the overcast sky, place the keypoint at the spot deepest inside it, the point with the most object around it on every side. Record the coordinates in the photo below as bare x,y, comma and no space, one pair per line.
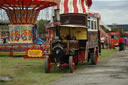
112,11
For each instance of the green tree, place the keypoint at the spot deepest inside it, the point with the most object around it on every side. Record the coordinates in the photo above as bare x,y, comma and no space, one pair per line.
122,34
118,29
41,26
105,29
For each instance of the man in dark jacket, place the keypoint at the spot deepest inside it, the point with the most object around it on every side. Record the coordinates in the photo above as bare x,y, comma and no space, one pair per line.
34,29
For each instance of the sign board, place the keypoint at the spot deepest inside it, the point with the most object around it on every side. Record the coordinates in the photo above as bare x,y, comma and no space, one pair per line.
35,53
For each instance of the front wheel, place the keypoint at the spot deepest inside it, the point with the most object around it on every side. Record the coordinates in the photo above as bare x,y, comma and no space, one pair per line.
47,65
71,64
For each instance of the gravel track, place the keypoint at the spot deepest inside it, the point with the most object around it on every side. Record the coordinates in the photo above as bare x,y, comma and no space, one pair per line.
111,72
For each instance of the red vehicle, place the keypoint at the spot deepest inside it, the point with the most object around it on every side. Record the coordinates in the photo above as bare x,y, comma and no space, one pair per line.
114,38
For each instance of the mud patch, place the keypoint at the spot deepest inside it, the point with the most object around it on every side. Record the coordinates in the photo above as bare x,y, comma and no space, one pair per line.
124,55
119,76
100,71
5,79
106,70
92,84
126,69
124,61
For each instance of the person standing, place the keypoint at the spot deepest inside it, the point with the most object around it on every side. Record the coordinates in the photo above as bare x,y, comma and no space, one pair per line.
125,42
102,42
106,43
4,40
34,29
121,46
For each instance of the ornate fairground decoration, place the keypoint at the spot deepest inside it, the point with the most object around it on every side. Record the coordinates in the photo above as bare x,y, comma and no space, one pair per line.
23,15
15,33
21,33
35,53
24,33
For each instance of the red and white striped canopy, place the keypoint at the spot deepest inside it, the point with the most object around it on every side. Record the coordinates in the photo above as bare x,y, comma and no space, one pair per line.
36,4
74,6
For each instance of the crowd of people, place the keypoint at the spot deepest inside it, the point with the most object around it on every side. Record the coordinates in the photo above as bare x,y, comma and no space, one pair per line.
122,43
104,43
4,40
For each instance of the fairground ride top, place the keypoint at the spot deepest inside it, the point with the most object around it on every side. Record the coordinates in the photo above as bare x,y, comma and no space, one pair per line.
22,15
25,11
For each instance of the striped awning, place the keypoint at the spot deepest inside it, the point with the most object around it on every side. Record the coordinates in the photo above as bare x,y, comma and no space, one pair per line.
74,6
39,4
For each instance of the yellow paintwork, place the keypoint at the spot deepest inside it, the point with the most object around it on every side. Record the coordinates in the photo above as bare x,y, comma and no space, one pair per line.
35,53
79,33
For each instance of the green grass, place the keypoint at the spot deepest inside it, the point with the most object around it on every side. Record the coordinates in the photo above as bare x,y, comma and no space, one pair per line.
26,72
31,71
105,53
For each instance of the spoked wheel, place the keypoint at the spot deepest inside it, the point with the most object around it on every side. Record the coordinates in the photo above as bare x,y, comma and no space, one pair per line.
47,65
94,59
71,64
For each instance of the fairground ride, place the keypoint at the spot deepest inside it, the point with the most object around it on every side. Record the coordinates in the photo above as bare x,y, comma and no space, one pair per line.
22,15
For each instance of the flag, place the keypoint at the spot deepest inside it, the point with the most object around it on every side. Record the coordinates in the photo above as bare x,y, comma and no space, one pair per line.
89,2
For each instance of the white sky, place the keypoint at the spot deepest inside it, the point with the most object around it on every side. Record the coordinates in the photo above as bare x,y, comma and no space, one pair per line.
112,11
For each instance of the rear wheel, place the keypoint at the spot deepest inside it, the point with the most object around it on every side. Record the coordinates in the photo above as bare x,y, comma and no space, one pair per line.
71,64
47,65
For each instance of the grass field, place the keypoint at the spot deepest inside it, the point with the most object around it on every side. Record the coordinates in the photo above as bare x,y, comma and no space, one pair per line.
106,53
31,71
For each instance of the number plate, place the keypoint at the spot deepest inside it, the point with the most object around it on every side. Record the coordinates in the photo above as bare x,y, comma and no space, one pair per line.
35,53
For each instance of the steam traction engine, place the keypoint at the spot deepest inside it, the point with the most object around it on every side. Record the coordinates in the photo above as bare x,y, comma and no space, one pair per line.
74,42
76,39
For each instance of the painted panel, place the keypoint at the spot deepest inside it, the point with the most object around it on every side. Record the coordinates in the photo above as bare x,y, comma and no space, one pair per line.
79,33
21,34
92,39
